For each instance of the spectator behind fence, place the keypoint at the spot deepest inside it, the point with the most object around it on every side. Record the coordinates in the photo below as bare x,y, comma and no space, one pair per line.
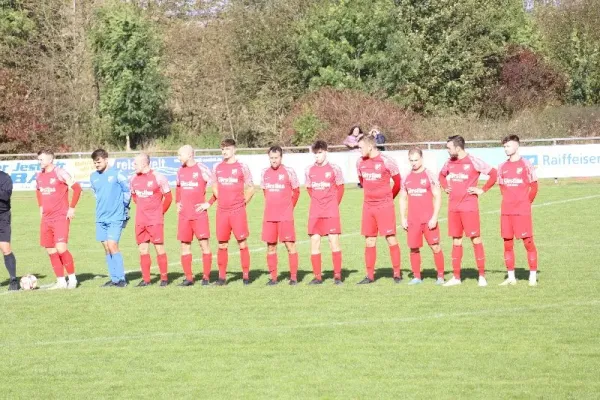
379,137
351,141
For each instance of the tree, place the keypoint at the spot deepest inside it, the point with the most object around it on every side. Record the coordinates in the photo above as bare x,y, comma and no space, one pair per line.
126,61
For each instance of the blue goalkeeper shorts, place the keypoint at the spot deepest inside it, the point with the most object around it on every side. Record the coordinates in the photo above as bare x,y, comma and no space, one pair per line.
109,230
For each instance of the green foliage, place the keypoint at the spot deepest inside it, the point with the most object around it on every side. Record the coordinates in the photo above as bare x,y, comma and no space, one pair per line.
307,126
126,63
15,26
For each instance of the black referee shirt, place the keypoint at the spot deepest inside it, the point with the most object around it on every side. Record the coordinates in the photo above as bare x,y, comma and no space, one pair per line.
6,187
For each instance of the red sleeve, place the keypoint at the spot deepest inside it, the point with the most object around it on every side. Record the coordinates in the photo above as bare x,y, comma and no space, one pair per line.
295,196
491,180
212,200
167,199
396,188
360,180
134,197
309,190
76,194
443,181
38,195
178,194
533,189
340,193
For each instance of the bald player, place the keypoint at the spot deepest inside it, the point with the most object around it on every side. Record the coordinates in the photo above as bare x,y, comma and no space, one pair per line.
152,196
190,195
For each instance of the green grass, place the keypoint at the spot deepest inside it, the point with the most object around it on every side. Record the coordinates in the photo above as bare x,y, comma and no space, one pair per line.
380,341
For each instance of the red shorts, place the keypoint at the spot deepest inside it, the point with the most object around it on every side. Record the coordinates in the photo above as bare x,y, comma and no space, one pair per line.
282,230
416,232
324,226
519,226
380,219
234,221
52,232
466,222
150,233
187,229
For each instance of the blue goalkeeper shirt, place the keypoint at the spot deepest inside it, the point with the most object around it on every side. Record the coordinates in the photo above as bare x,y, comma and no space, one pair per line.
113,195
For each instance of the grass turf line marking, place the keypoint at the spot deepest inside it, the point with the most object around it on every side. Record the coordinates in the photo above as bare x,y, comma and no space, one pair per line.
323,325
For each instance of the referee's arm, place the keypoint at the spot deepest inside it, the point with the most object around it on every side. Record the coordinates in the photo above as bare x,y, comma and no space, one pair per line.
6,187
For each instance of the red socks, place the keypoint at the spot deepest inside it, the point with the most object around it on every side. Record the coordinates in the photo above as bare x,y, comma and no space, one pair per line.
479,258
415,264
66,259
206,266
395,257
293,260
370,259
438,258
272,265
509,254
245,261
163,266
186,263
457,255
222,260
336,257
315,260
531,253
145,263
57,265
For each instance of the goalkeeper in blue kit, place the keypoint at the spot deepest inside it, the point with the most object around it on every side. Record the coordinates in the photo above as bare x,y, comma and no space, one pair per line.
113,196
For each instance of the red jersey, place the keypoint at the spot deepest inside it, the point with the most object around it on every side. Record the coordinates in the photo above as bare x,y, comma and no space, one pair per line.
324,180
192,182
54,189
278,185
418,186
231,180
462,174
515,178
149,189
376,174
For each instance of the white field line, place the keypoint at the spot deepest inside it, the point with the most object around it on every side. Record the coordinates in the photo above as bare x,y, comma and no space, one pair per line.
357,233
290,328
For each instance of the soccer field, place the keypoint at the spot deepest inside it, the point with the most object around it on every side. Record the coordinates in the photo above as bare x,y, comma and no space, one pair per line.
370,341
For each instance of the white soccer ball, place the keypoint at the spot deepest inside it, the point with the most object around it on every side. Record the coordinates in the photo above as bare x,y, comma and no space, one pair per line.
28,282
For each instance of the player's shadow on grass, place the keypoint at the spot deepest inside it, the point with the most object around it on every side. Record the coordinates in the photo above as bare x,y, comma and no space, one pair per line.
345,273
88,277
302,273
254,275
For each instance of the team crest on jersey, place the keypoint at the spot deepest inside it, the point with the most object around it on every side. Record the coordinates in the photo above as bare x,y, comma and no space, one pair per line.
377,167
519,170
281,177
466,167
52,181
111,178
327,174
195,175
234,171
150,183
423,182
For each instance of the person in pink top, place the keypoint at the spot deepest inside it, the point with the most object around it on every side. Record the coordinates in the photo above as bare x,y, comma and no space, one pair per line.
151,194
233,188
190,195
421,194
52,191
518,186
282,190
375,171
459,177
325,186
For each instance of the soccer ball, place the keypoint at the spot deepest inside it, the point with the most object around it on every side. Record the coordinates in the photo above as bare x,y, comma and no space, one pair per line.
28,282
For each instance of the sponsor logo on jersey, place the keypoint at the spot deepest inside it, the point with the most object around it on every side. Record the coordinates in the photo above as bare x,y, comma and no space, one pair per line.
371,176
512,181
228,181
417,191
321,185
274,186
144,193
189,184
458,176
47,190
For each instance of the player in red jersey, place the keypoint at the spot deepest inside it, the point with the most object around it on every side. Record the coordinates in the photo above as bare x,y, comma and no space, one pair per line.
192,180
518,186
151,194
375,170
325,186
421,190
459,177
282,190
233,189
52,192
